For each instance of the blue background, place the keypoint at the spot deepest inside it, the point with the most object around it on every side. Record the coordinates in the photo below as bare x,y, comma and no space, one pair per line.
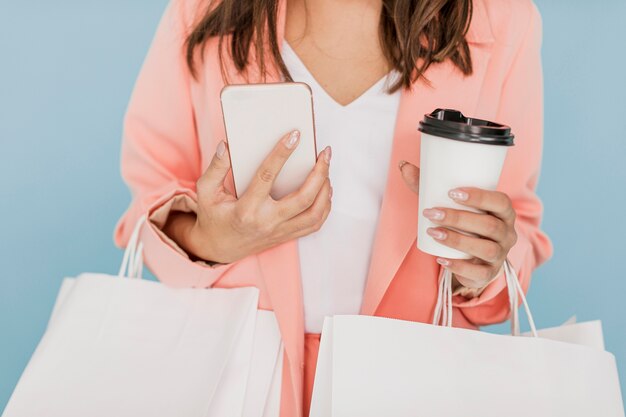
66,72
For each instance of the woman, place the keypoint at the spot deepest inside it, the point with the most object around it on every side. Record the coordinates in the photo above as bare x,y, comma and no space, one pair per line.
376,67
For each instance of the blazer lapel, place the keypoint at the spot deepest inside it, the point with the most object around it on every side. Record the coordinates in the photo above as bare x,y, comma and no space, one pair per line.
396,232
280,266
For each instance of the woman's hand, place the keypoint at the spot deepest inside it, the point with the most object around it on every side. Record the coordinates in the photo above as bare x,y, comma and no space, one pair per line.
227,229
494,230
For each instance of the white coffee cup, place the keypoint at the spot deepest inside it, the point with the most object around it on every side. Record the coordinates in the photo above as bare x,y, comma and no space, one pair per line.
456,151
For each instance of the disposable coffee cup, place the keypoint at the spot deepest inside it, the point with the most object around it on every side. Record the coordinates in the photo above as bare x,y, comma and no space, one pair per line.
456,151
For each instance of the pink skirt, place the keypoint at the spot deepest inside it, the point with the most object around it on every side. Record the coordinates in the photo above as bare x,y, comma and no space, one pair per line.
311,347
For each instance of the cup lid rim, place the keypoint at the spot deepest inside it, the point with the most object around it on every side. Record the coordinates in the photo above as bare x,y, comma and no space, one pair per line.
452,124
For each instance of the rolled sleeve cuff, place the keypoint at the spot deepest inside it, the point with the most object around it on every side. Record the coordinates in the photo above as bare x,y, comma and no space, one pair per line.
166,258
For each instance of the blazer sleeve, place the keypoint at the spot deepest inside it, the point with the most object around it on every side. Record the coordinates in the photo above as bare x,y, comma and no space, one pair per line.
160,156
521,107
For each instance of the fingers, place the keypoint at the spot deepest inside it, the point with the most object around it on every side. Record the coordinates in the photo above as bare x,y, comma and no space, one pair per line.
471,273
485,225
301,199
312,218
487,250
495,202
410,175
212,181
262,182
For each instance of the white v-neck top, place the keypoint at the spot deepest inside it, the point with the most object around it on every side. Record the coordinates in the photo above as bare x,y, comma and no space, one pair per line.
334,261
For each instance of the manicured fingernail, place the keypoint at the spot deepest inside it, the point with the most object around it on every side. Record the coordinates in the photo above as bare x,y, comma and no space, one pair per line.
328,153
221,149
434,214
401,164
459,195
436,233
292,139
444,262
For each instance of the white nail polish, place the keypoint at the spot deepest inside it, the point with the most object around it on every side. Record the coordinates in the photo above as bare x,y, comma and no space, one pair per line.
292,139
327,154
221,149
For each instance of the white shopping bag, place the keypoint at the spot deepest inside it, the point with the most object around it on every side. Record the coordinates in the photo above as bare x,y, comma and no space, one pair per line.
118,346
262,391
588,333
373,366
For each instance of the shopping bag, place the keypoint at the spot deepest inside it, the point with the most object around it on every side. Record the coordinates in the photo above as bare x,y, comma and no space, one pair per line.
265,373
122,346
373,366
588,333
272,404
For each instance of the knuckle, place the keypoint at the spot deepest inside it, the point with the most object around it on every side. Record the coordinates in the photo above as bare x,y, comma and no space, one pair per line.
240,220
304,231
307,226
266,175
308,219
305,200
451,217
317,214
322,220
504,198
486,273
479,274
317,226
319,209
326,210
492,252
507,204
453,238
494,227
246,218
478,197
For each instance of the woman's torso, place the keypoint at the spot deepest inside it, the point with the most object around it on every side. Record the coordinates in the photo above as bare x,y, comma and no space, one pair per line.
401,281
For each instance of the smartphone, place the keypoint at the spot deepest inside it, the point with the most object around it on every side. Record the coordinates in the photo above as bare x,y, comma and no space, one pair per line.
256,116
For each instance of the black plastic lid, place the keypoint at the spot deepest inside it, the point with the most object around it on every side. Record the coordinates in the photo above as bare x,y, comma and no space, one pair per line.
451,124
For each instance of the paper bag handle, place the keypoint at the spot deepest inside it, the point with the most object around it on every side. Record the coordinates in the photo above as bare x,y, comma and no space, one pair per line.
132,262
443,308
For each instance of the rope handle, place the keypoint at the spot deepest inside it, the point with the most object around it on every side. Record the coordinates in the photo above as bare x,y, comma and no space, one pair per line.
443,308
132,262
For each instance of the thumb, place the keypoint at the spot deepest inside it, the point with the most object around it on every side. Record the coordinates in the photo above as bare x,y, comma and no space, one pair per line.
211,183
410,175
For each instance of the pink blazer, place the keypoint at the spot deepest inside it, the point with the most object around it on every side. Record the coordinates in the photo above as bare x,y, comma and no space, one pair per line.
174,123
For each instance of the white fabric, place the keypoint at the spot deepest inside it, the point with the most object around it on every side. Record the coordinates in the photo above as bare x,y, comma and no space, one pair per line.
335,260
124,347
373,366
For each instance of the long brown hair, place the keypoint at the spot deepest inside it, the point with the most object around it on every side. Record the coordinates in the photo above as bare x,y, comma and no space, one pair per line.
413,33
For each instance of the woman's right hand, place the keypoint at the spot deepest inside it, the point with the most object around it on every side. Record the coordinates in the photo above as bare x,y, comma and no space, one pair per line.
227,229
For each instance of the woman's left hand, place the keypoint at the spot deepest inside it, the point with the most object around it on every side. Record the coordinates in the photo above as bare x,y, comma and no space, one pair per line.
494,230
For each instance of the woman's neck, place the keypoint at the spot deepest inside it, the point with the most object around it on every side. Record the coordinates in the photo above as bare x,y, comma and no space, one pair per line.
338,42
